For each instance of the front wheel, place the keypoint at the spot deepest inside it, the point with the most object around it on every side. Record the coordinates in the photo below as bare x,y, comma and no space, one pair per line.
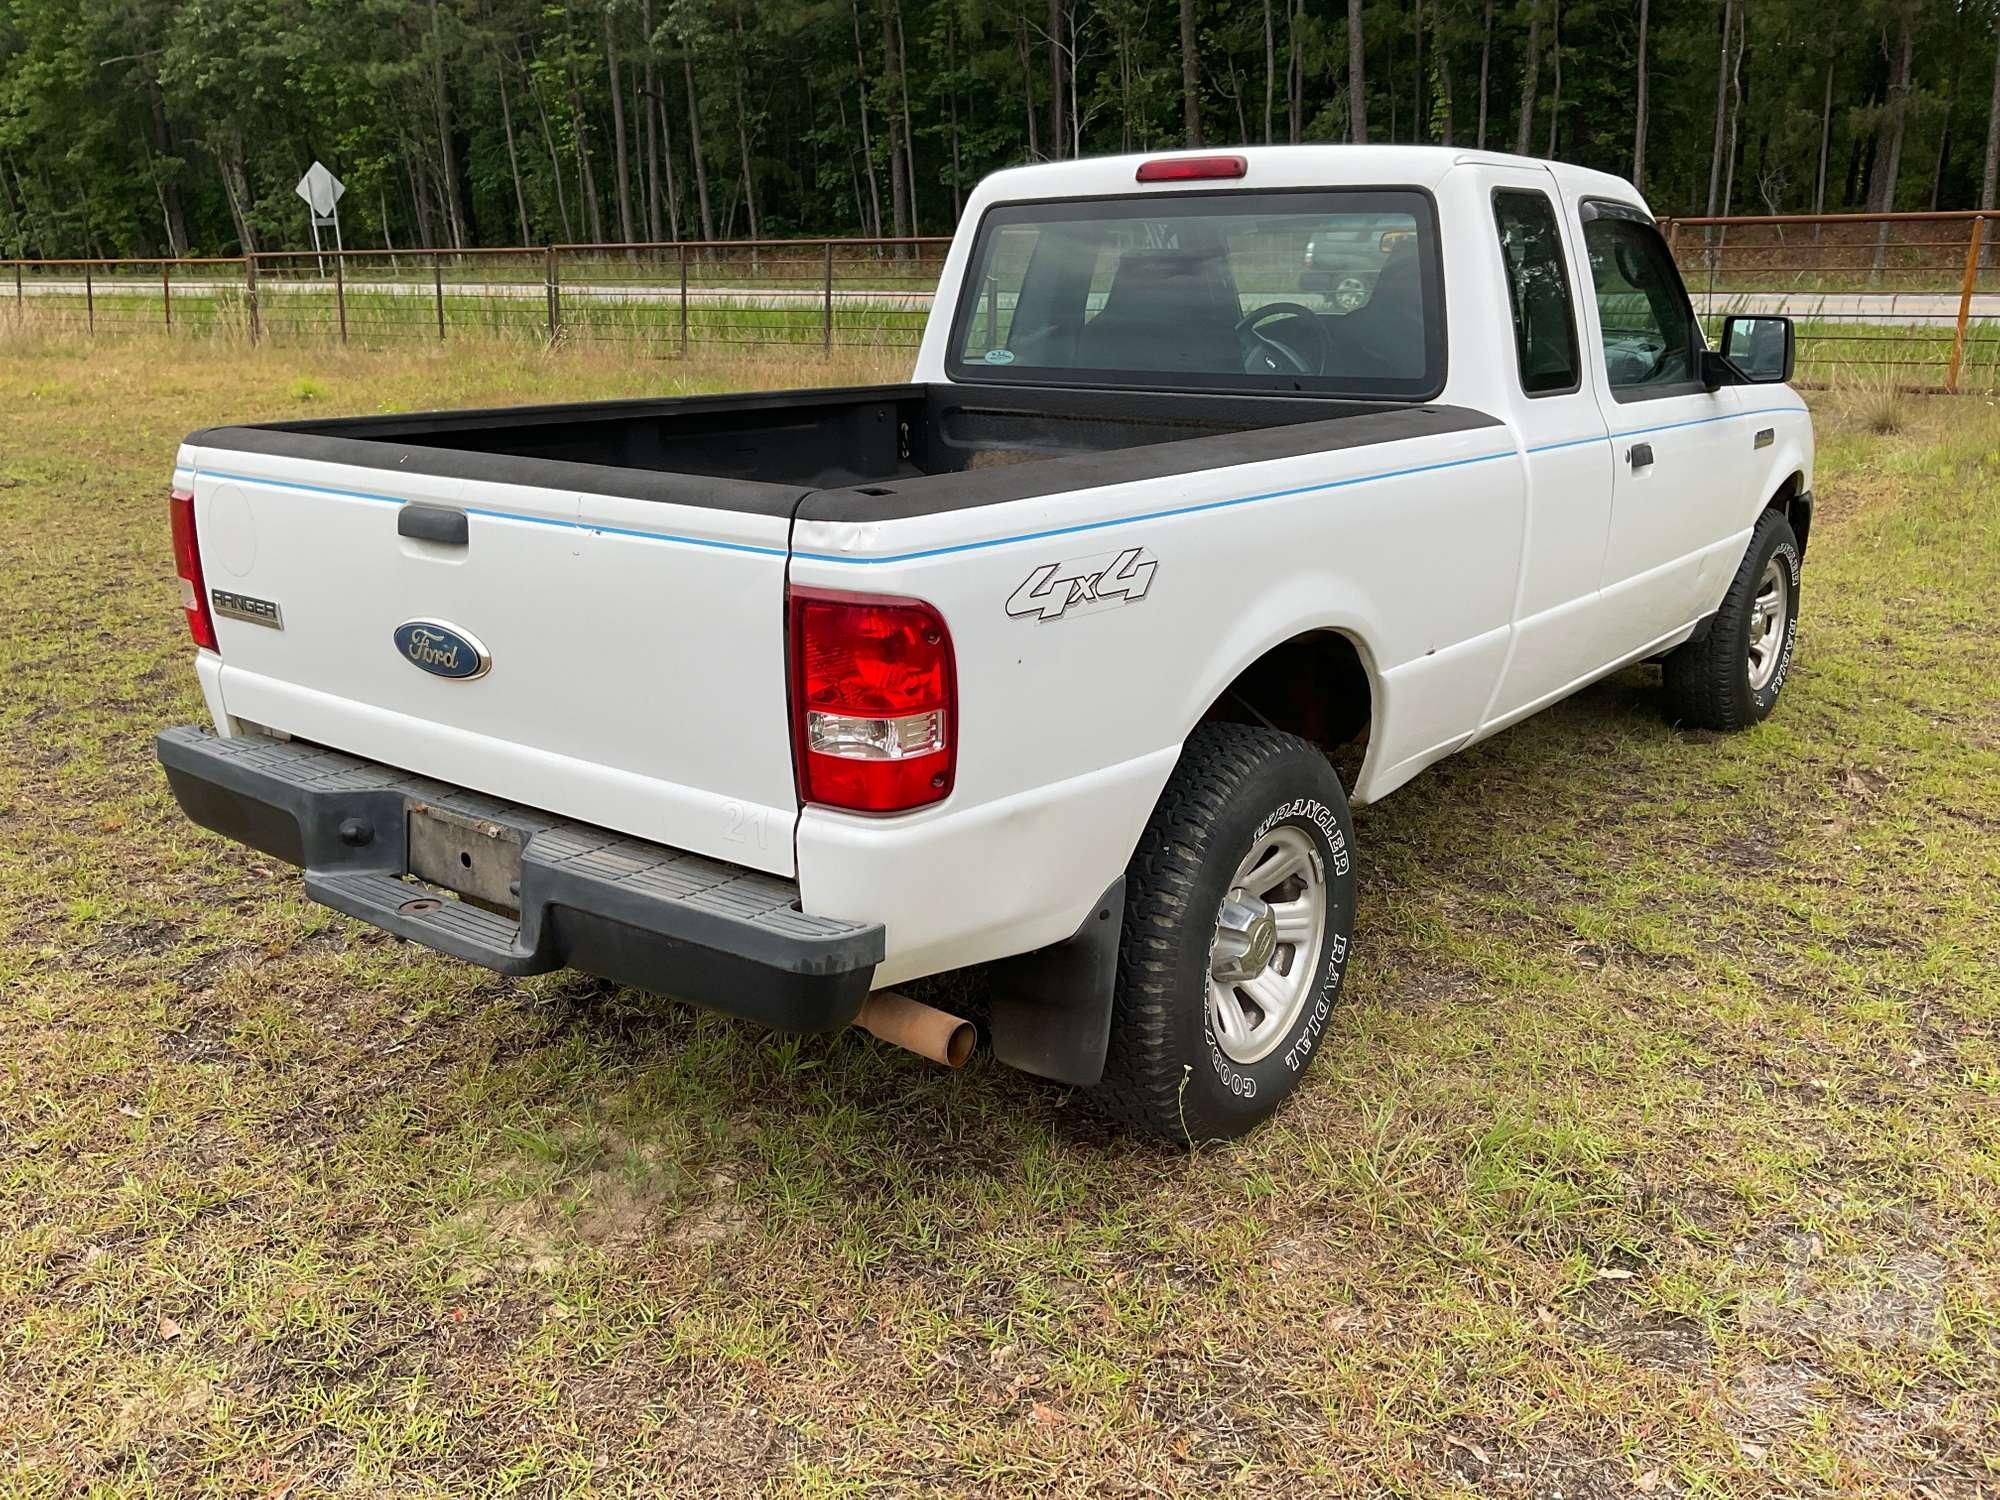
1731,677
1239,907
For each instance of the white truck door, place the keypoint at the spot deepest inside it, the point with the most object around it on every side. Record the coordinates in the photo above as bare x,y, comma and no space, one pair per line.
1677,472
1555,410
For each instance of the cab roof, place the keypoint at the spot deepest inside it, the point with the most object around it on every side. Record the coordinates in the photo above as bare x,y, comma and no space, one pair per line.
1283,167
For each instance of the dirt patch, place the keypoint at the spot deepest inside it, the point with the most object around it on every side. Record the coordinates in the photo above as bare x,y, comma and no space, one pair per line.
201,1040
1752,851
1549,1469
117,941
206,969
1417,985
1657,1341
147,1421
1761,1402
1933,1435
715,1222
633,1193
1834,1299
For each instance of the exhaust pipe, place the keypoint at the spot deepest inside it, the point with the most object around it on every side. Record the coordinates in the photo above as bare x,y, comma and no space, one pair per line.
917,1027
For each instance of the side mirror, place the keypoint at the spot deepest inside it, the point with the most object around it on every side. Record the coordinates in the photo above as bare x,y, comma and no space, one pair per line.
1760,349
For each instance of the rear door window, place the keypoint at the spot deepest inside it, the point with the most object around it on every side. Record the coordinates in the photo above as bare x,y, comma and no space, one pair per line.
1545,347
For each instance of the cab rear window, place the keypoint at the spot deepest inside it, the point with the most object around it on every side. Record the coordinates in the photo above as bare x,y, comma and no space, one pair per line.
1332,291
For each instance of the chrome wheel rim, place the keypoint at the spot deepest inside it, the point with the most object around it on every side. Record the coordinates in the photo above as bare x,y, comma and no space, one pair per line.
1769,613
1269,933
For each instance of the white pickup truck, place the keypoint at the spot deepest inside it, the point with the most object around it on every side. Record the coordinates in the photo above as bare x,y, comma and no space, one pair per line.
1041,663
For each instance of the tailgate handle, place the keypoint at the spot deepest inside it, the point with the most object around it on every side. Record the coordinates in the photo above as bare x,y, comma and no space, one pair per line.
432,523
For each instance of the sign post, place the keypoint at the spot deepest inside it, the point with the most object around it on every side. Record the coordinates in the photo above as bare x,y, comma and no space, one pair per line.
322,190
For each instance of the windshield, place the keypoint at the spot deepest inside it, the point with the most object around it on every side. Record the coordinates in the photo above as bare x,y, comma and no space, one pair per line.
1333,291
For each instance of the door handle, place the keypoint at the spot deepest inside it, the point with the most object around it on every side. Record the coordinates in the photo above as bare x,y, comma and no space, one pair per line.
432,523
1640,455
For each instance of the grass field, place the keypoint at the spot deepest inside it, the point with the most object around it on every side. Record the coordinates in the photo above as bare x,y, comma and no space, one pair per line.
1656,1150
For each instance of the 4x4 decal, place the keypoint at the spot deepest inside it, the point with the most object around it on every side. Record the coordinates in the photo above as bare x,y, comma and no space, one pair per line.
1083,584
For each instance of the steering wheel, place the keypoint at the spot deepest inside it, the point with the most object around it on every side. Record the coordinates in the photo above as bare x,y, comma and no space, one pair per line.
1283,355
1640,355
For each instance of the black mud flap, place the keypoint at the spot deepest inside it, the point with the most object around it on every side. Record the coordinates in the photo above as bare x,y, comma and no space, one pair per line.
1051,1009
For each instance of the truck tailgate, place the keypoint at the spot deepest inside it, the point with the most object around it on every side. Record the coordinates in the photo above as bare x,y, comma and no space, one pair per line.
636,649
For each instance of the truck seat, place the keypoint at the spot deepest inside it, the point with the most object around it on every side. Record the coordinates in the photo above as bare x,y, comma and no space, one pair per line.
1165,310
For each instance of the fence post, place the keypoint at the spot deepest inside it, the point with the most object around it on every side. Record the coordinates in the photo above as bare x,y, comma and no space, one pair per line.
826,322
89,300
437,284
1965,289
550,276
20,307
340,295
167,292
250,295
684,300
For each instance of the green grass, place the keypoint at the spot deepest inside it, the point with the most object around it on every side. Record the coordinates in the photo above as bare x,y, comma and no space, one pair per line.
1656,1148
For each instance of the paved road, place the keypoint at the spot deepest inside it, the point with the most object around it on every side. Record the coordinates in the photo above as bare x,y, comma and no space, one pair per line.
1844,307
1851,307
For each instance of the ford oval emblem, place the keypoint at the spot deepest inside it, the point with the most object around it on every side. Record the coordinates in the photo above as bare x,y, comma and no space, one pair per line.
442,650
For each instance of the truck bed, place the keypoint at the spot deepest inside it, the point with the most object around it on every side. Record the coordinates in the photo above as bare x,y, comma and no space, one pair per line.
885,450
614,575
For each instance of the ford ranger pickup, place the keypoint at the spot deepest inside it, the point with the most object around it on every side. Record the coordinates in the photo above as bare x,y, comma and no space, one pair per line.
1060,664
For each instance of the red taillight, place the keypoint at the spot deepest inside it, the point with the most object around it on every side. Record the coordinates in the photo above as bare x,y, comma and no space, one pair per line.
874,699
187,563
1192,168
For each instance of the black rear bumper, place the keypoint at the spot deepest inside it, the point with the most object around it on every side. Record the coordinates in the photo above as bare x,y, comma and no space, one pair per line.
642,914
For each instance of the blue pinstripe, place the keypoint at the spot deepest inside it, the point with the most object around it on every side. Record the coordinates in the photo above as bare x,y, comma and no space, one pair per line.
676,539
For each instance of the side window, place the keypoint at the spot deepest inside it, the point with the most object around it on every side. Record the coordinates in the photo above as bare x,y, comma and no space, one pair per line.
1537,292
1642,307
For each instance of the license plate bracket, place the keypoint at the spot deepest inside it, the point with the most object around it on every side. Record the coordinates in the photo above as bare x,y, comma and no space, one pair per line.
476,857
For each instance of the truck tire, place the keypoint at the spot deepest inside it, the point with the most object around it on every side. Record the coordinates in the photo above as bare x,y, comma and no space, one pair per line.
1239,908
1730,678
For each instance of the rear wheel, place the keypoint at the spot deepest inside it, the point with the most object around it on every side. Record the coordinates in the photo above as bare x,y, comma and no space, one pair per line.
1239,906
1731,677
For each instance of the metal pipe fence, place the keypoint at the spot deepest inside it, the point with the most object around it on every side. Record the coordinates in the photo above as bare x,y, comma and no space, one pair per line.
663,299
1911,300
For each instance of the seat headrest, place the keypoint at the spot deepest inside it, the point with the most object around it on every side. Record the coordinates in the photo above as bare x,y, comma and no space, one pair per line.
1163,279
